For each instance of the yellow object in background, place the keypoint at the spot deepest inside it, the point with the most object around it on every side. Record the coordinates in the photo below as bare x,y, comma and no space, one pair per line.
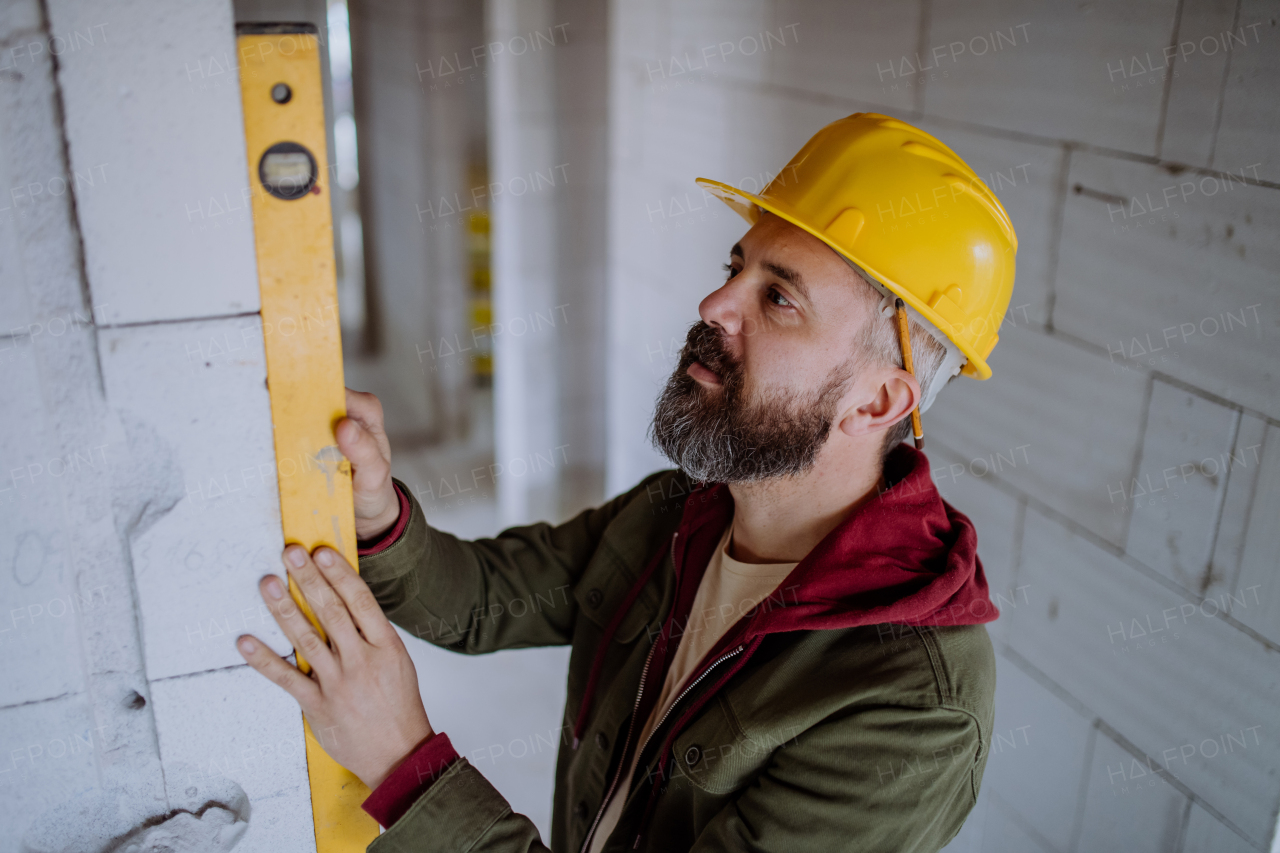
478,244
280,86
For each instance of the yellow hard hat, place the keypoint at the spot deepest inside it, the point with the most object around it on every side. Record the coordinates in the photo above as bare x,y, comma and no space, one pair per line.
907,211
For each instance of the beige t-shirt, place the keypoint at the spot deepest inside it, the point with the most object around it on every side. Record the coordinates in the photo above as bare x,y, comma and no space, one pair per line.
729,590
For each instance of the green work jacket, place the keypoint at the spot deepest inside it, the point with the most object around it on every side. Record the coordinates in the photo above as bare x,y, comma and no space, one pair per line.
827,729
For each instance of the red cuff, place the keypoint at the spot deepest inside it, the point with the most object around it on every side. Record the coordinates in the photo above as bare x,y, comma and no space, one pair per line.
389,538
390,800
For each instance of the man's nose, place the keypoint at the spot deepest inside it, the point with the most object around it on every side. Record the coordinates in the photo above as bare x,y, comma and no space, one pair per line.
724,309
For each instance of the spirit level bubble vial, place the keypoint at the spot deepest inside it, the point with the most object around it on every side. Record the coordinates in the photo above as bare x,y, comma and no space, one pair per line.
284,129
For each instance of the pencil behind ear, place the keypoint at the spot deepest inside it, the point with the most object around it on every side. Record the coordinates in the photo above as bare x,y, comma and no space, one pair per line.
904,338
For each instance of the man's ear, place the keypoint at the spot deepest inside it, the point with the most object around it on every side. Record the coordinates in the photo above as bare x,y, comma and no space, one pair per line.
891,401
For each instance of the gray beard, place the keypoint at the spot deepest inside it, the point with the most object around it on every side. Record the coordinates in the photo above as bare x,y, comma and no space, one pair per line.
718,436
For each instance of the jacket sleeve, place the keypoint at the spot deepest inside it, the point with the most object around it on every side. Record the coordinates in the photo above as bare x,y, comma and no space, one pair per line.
511,591
460,812
885,780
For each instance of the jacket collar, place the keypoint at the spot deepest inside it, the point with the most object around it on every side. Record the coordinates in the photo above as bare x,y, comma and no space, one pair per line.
906,556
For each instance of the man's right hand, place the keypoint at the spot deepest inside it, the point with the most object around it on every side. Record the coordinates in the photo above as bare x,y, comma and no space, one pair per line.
363,441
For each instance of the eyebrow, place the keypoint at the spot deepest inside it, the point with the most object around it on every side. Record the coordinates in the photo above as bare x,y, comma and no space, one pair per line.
790,276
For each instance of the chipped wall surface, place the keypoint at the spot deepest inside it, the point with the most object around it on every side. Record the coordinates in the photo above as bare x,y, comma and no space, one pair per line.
1121,465
138,503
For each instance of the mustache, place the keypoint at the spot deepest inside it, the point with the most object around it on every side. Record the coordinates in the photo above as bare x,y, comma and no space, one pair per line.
704,344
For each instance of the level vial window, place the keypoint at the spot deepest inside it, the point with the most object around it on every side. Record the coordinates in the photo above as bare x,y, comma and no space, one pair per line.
287,170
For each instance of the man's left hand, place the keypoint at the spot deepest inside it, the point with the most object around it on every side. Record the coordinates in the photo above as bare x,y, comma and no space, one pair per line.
361,696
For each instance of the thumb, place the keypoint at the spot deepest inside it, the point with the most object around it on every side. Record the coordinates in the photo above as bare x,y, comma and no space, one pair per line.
371,466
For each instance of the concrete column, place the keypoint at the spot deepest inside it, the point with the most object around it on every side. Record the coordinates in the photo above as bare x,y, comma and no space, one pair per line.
415,131
548,149
523,136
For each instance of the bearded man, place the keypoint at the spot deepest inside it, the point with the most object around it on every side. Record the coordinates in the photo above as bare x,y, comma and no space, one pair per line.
779,646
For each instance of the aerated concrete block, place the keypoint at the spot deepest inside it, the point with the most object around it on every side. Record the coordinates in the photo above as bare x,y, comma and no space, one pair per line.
1173,499
1257,591
1059,441
1190,691
1196,65
17,17
235,728
711,40
1174,273
1241,493
848,55
40,288
39,641
1205,834
1250,115
1039,751
48,756
1064,71
193,403
158,147
1127,806
1005,832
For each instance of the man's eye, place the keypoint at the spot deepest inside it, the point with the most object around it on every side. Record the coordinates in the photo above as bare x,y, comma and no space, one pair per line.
778,299
729,271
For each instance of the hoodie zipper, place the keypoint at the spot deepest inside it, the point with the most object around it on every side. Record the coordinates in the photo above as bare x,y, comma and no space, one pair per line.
732,653
631,728
617,777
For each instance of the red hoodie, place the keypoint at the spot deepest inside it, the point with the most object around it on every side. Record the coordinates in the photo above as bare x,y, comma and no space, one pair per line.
906,557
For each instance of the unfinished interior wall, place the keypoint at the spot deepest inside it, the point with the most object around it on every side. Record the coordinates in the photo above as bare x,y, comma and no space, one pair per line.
418,135
1122,465
548,89
139,493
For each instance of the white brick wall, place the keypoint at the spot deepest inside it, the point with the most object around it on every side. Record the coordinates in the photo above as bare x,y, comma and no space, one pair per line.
1142,815
1039,755
1174,274
1246,130
154,101
139,496
209,464
1163,672
1173,500
1261,543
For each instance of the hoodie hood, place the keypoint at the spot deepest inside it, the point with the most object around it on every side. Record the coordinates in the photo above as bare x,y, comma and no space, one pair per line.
906,557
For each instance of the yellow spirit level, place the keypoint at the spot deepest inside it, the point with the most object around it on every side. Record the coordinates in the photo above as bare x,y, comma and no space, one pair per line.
284,129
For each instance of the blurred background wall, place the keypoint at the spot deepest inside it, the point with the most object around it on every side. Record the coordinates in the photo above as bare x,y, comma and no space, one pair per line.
521,251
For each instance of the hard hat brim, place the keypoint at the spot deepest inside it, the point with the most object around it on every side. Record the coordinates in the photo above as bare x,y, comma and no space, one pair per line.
747,205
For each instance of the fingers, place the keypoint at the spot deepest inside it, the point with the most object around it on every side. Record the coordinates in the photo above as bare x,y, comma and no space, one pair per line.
372,467
362,440
301,633
366,410
304,637
360,603
270,664
325,603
